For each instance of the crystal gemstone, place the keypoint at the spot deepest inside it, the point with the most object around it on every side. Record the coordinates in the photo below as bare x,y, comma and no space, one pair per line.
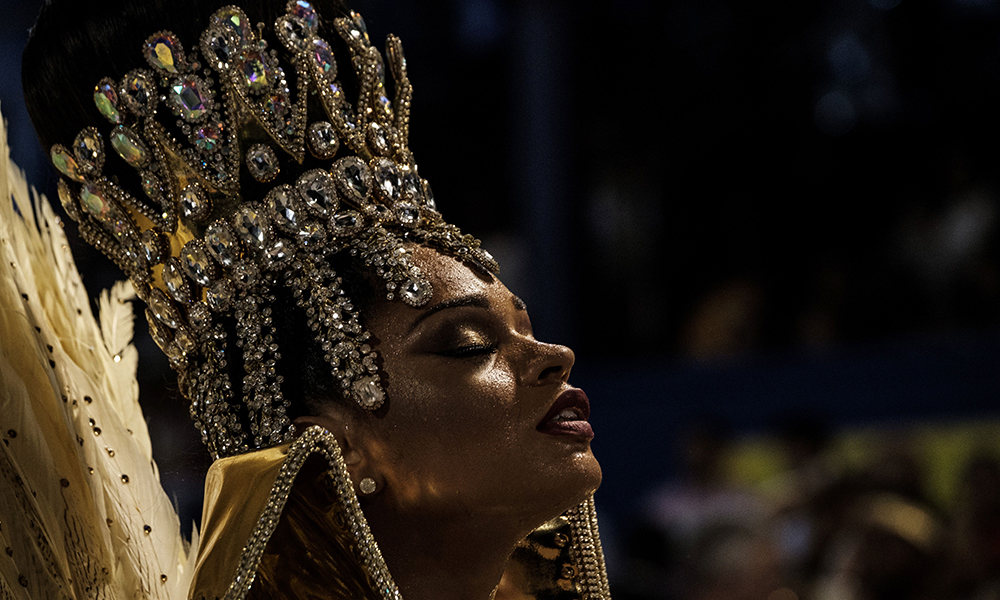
175,281
305,11
368,392
408,214
193,203
256,74
347,220
387,176
323,139
162,309
414,292
234,19
262,162
66,164
89,149
356,174
92,198
162,53
139,88
189,99
283,207
251,227
209,136
318,189
106,100
324,58
297,32
196,263
223,244
220,46
129,147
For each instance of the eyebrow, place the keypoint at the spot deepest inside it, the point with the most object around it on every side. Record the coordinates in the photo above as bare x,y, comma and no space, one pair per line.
474,300
519,304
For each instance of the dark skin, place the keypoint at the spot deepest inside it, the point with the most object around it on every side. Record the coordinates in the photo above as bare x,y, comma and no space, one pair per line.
463,474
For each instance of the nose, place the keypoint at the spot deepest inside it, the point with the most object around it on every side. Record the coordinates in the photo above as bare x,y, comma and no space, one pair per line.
548,363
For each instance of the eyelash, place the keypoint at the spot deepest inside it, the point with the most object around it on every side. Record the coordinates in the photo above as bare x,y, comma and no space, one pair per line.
471,351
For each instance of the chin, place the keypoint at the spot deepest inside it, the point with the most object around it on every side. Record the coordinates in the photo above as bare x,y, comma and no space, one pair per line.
575,483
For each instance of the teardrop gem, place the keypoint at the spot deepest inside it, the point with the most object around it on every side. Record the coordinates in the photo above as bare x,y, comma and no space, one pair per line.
196,264
318,189
163,52
163,309
295,32
305,11
324,58
65,163
175,281
251,227
223,244
89,149
219,46
128,145
234,19
106,100
284,207
387,177
354,178
93,200
195,203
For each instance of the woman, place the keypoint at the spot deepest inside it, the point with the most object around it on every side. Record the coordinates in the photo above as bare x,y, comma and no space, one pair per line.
383,420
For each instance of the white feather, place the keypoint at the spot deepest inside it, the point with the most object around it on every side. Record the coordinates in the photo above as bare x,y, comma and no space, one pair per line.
78,486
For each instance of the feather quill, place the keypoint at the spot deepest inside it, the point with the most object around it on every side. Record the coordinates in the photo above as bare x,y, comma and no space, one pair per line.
82,511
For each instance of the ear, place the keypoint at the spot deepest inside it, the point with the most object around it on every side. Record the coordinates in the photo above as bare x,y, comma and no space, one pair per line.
336,422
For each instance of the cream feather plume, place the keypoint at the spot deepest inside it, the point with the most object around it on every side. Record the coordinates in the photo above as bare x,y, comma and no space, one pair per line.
82,511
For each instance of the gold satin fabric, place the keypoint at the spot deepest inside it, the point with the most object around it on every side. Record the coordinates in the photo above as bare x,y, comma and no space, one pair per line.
311,554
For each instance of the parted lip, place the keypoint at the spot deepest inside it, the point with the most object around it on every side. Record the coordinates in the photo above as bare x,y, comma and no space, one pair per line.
571,398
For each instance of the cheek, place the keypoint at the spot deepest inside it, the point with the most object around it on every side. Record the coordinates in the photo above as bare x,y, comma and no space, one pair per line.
443,412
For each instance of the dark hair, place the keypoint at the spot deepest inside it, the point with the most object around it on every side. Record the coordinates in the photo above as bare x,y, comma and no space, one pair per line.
76,43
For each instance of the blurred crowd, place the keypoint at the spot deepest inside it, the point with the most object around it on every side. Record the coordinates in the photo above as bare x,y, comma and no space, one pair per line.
814,532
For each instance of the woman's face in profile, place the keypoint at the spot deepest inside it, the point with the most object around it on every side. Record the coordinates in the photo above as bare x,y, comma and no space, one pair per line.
480,417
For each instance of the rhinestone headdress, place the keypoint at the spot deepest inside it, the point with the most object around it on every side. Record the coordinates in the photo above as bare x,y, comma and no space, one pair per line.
228,110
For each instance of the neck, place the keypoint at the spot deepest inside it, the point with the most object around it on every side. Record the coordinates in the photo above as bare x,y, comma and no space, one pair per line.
443,558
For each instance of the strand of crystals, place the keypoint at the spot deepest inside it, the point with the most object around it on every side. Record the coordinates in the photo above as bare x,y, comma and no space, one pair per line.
261,393
600,569
385,254
332,317
210,391
591,578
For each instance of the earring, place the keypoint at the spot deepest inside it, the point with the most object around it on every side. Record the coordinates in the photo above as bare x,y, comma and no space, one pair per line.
367,486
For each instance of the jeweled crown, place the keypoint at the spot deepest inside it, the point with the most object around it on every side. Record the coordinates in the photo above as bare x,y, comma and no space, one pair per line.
204,118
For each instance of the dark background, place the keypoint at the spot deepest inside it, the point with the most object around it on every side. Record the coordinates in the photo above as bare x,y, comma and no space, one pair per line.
725,207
